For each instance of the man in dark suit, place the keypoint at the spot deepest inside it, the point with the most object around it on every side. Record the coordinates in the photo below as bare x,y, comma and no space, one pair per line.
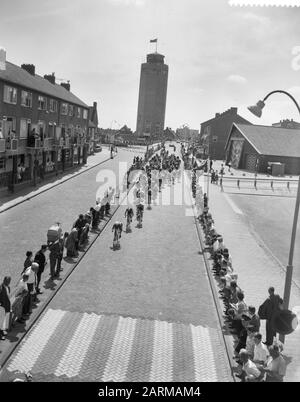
41,260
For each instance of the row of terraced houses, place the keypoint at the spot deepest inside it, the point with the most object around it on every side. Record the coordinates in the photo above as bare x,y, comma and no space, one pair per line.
44,127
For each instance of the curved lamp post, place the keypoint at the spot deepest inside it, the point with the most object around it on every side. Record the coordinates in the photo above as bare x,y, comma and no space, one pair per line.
257,111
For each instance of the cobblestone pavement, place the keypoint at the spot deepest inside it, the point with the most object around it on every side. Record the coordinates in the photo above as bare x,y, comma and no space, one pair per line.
141,313
257,269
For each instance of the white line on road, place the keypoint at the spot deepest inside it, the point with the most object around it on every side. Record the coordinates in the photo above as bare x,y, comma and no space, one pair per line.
233,206
117,363
36,342
76,351
162,361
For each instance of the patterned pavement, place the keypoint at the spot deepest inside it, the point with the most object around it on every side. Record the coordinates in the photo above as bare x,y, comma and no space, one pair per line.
79,346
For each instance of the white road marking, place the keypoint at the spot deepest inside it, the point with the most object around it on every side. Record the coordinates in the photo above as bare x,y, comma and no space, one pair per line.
233,205
36,342
162,361
76,351
204,364
117,363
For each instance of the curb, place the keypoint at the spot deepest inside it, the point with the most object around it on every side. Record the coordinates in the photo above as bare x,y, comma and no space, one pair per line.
227,345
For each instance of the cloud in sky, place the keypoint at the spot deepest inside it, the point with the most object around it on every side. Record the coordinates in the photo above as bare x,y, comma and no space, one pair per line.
237,79
218,56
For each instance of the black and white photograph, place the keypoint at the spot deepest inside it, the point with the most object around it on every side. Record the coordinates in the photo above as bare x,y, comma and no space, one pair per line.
149,194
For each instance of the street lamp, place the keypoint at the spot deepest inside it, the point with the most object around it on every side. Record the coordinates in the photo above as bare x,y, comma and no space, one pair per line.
257,111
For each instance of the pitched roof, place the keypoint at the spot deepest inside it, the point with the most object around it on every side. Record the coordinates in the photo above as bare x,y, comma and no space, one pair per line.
19,76
268,140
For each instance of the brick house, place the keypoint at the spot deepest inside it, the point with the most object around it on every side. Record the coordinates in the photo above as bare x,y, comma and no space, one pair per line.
43,125
254,147
214,132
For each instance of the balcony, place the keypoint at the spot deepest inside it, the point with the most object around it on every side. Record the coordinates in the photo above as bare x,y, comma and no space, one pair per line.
63,142
35,143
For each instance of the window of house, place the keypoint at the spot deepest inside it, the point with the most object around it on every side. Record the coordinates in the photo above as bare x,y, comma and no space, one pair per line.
53,105
79,113
24,127
10,94
9,127
2,163
26,99
71,110
64,108
42,102
85,114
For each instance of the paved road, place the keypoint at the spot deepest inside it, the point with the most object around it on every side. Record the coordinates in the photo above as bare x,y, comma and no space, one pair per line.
142,313
24,227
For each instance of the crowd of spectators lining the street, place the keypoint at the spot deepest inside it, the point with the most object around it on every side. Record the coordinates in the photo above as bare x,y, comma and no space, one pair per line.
16,305
257,361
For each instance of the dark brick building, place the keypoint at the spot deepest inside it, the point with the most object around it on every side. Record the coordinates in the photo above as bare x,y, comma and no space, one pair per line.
214,132
253,147
43,126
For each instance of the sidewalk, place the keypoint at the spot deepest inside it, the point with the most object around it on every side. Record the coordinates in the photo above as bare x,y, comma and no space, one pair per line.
12,200
256,270
141,313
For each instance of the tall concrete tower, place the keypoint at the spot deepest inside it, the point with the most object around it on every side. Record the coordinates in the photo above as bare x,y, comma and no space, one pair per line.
152,96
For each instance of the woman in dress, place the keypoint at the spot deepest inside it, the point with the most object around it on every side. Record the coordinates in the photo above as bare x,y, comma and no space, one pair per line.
71,242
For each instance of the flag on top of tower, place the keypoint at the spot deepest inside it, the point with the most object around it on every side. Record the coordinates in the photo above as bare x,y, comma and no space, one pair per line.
153,40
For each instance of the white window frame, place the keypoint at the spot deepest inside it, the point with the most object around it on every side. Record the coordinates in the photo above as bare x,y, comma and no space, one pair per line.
64,109
12,133
28,121
10,94
71,110
26,98
53,105
79,113
42,101
85,114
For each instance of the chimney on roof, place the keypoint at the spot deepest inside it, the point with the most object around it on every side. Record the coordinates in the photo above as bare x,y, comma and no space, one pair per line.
66,85
2,58
217,115
233,110
50,78
95,105
30,68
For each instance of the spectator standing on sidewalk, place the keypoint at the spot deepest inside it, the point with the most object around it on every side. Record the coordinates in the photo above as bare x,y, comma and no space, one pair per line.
79,225
41,260
71,243
19,299
55,252
5,306
31,272
28,261
268,311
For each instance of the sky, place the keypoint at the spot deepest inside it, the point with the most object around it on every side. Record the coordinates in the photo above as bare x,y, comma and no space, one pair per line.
219,56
